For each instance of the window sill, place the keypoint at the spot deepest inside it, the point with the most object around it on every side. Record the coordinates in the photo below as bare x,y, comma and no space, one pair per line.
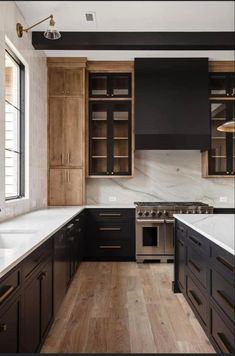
16,200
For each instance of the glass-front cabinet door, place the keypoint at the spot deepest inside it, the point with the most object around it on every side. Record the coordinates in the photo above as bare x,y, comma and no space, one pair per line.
111,85
110,138
221,154
222,85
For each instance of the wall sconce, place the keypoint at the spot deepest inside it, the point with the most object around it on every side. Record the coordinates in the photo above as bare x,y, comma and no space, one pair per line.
228,126
50,34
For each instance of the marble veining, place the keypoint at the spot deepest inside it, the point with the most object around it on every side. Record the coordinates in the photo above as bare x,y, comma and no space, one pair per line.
164,176
219,228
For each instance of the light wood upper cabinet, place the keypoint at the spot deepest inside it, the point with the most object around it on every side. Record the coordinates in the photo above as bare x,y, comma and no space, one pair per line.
74,186
56,81
74,131
56,132
66,81
66,186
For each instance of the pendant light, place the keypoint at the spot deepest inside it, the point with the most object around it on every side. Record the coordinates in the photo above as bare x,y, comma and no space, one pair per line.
228,126
50,34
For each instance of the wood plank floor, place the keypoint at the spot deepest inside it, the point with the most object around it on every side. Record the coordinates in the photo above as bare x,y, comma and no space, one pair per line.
124,307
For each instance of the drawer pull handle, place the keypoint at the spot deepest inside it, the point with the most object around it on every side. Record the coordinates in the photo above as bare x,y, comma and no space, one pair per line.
181,242
110,214
70,226
110,247
6,291
225,342
221,294
195,297
77,220
194,240
110,229
3,328
194,266
225,263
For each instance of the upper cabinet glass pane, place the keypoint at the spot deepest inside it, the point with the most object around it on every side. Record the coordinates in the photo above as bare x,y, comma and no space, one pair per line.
121,85
218,84
99,85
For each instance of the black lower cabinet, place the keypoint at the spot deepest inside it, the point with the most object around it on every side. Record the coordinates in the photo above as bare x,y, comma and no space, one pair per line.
9,327
209,288
110,235
37,310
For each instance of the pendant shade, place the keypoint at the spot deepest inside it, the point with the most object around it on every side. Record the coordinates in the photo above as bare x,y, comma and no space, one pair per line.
228,126
52,34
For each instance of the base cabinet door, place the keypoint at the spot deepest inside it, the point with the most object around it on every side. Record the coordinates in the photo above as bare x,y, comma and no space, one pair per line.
46,297
9,328
30,323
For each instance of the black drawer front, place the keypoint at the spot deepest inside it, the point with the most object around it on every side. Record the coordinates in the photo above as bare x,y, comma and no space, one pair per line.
223,293
181,230
221,334
223,262
197,299
8,285
198,242
36,258
111,250
111,231
111,214
197,264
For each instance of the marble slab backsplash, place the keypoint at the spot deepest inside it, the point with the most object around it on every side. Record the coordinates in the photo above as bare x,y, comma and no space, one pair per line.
163,176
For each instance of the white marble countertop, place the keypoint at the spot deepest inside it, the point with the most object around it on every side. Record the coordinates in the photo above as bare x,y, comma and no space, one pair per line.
33,229
219,228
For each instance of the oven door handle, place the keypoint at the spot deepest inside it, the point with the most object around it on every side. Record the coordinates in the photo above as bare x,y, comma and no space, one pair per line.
170,221
157,221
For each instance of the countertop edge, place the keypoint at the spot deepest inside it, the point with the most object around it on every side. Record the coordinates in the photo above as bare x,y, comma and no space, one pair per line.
209,237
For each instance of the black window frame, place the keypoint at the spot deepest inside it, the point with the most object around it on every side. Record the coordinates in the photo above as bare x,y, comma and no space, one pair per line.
21,173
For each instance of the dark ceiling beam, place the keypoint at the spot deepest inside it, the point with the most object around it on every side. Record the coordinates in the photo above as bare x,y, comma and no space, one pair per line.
137,41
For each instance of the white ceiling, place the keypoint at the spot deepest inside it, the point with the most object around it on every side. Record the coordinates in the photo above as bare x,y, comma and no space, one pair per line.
132,16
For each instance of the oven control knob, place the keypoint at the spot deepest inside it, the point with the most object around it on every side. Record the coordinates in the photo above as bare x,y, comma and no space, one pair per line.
140,213
159,214
153,213
166,213
146,213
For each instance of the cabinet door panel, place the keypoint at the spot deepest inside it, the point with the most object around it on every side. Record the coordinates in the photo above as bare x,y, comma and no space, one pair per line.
56,81
9,324
74,82
74,187
56,187
46,297
56,131
73,121
30,336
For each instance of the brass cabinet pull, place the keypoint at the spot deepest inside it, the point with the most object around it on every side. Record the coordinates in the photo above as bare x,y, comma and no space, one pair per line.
221,294
193,239
225,342
110,247
68,155
70,226
194,265
110,229
225,263
3,328
181,242
110,214
6,291
195,297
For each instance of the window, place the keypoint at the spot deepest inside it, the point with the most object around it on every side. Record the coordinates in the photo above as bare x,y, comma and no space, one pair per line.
14,126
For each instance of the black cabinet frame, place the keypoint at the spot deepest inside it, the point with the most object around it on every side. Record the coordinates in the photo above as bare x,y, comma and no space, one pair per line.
110,78
110,138
228,80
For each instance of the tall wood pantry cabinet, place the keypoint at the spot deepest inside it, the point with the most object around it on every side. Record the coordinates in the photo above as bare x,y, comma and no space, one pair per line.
66,130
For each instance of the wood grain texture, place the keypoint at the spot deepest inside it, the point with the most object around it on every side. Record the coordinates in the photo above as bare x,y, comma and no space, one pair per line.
221,66
123,307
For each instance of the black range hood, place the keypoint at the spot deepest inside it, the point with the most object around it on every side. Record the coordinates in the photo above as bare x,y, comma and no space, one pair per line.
171,103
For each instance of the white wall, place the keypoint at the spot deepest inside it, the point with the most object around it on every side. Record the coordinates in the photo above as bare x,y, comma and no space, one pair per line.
36,115
163,176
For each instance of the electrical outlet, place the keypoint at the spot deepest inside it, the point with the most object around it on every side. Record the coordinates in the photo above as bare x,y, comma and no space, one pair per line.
223,199
112,198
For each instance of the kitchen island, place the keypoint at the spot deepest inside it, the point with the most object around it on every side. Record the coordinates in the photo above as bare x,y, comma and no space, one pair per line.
205,273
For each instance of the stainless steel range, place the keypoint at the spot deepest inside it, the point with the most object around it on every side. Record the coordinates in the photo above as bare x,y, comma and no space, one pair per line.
155,227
